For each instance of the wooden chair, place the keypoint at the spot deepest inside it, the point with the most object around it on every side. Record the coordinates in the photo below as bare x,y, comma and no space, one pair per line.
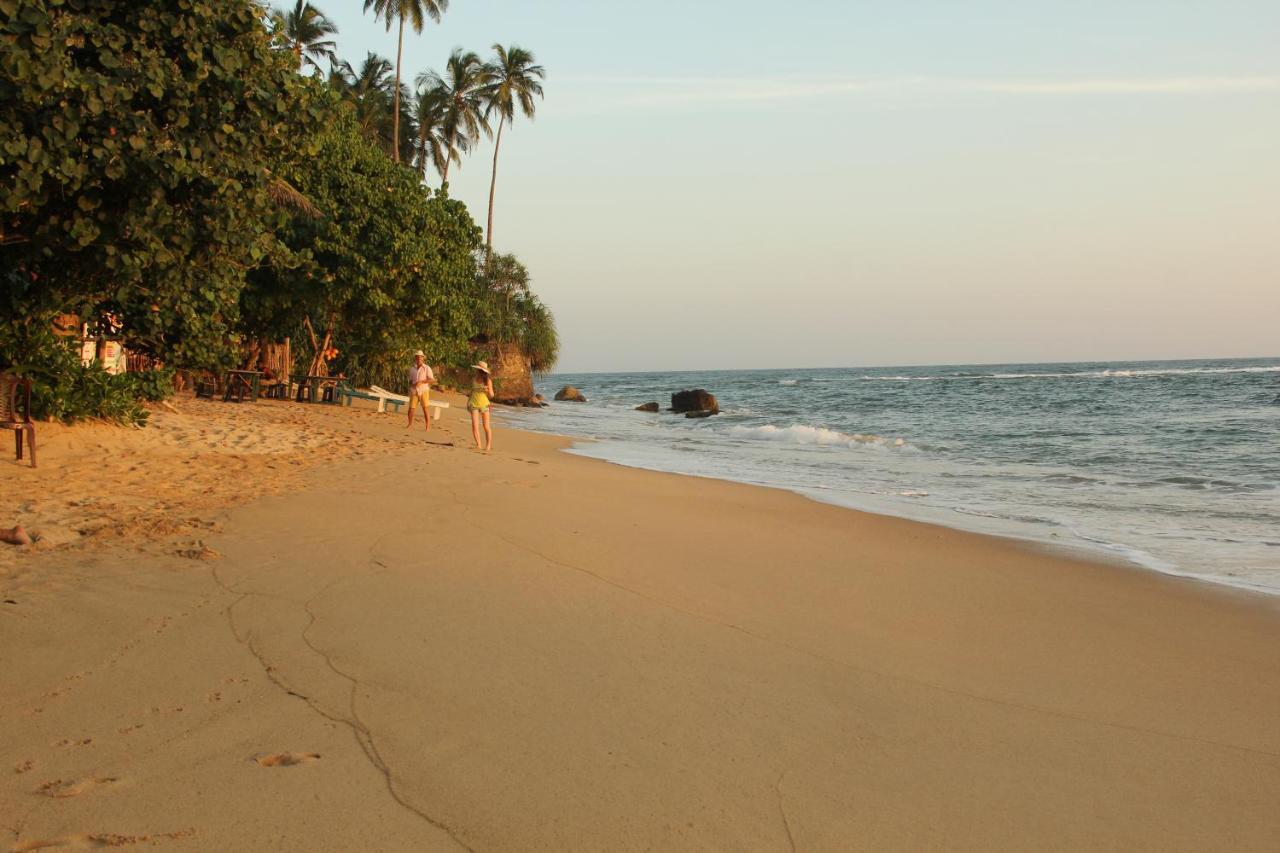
14,417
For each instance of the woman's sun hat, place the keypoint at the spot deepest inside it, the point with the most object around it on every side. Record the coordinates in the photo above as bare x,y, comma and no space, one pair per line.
483,365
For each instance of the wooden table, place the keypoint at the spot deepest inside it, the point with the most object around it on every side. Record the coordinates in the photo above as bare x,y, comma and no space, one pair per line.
240,381
309,388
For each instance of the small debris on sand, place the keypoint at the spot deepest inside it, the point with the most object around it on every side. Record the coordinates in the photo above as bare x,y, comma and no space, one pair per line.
15,536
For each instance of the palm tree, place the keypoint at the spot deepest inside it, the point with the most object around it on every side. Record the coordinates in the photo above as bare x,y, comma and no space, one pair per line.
513,80
306,29
464,121
431,143
369,91
416,11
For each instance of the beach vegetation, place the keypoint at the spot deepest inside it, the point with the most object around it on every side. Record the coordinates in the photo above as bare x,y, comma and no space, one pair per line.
141,144
513,81
512,315
462,87
390,264
415,12
170,177
307,32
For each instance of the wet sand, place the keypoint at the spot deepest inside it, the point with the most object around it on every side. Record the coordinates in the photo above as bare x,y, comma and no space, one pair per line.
370,640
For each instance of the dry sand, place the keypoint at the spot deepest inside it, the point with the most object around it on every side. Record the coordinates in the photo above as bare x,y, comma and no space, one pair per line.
389,643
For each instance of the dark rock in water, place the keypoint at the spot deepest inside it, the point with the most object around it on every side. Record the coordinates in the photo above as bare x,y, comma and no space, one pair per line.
648,407
540,401
570,394
697,400
703,414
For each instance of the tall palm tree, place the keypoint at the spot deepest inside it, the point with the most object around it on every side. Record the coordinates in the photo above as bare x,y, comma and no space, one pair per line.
514,80
307,30
369,89
431,143
416,11
463,82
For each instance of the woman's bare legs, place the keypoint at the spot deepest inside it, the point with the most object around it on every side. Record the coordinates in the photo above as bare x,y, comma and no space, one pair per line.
488,432
475,427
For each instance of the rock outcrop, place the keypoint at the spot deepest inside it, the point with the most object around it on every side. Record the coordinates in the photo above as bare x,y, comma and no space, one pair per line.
569,394
697,400
705,413
648,407
512,379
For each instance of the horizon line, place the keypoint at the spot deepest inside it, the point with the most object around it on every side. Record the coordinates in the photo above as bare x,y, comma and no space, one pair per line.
917,365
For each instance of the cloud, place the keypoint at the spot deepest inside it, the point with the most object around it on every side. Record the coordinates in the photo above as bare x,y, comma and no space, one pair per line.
674,91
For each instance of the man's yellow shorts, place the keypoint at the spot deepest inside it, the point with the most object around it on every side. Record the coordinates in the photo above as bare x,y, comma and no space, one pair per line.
425,397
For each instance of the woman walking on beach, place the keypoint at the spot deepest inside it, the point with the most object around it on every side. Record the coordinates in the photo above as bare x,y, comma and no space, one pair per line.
478,405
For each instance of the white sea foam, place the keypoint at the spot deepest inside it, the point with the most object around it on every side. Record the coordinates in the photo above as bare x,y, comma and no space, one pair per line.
801,434
1110,373
985,454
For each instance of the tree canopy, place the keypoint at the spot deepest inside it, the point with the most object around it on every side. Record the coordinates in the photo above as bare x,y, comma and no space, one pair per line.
168,175
141,142
392,266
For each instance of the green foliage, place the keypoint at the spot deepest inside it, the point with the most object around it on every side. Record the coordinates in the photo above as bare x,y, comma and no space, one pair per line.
137,143
155,160
510,313
306,31
150,385
81,393
462,90
61,388
392,265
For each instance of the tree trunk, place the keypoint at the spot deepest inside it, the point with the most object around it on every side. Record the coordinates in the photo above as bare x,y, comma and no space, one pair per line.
493,183
395,106
448,157
422,154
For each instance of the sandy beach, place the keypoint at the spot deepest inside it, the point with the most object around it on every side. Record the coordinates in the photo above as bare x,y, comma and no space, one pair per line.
288,627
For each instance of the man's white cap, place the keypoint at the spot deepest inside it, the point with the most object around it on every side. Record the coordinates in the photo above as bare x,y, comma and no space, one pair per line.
420,353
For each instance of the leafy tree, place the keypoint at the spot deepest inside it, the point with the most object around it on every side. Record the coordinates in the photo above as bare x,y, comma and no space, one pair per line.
462,86
307,31
393,267
513,80
416,12
511,314
139,148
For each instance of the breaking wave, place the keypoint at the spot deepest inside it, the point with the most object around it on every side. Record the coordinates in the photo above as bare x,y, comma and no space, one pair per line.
1111,373
801,434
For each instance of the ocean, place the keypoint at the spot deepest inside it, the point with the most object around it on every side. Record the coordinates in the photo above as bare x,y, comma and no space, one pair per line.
1173,465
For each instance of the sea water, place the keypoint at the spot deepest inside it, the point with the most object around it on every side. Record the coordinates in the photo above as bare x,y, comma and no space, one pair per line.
1172,465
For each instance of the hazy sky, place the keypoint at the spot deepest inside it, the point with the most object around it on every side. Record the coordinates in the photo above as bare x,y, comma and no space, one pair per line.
716,184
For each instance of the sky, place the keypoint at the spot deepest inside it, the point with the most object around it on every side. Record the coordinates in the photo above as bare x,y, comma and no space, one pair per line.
824,183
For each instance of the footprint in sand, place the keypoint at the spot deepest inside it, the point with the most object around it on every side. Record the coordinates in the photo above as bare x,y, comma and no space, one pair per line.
23,766
286,759
66,742
60,789
96,839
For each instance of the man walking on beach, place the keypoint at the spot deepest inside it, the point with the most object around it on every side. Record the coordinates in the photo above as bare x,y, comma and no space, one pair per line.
420,379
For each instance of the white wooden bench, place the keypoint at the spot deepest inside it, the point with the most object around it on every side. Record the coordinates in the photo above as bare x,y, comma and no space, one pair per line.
383,396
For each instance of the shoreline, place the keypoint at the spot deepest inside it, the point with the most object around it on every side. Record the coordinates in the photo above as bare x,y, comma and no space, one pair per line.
1124,472
1105,553
531,650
